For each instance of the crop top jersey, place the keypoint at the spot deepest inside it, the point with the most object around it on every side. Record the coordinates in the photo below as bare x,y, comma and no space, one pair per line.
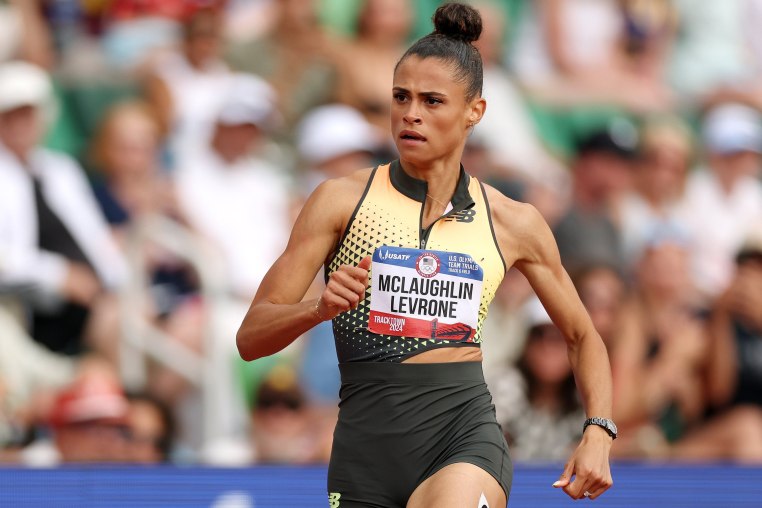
429,287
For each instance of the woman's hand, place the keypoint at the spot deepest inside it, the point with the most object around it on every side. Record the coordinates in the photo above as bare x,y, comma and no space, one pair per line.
589,464
344,291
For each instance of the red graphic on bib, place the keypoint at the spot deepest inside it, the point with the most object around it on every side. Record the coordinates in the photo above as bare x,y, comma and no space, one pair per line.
457,331
392,324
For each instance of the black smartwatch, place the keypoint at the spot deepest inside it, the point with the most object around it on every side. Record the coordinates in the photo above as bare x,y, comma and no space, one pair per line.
608,425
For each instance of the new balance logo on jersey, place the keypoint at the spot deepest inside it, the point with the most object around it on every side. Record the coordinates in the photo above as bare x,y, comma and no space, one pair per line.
333,499
462,216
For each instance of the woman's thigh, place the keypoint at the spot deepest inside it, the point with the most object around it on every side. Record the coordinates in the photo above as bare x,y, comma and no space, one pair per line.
460,485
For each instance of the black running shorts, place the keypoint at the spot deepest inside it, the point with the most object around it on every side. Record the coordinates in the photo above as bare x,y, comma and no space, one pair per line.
400,423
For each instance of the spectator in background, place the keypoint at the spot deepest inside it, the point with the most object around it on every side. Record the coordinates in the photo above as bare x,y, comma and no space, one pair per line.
506,323
26,369
601,174
135,31
187,87
134,187
648,36
603,292
332,141
150,429
227,187
734,368
507,130
24,33
660,350
284,430
53,238
295,57
712,54
735,70
88,420
723,197
570,52
133,191
659,177
366,63
131,183
536,402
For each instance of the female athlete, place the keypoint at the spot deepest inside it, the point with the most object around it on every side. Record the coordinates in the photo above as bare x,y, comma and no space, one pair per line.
414,251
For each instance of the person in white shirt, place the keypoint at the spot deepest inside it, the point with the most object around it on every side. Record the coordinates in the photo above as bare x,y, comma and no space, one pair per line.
56,252
225,188
659,177
241,206
724,198
187,87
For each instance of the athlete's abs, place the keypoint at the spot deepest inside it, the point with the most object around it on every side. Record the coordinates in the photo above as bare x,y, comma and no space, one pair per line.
430,287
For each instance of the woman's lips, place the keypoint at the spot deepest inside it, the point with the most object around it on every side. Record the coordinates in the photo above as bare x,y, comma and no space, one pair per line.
411,137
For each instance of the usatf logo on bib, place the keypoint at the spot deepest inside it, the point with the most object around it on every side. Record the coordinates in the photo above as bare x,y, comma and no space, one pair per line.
425,294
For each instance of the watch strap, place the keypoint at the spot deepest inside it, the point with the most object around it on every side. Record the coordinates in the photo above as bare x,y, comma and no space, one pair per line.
604,423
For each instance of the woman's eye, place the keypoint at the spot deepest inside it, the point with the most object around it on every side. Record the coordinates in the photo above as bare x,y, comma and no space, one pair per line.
431,101
400,97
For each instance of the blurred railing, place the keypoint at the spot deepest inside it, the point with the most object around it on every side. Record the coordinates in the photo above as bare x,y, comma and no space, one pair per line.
142,340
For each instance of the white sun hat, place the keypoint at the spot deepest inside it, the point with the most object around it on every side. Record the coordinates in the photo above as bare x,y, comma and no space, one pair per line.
333,130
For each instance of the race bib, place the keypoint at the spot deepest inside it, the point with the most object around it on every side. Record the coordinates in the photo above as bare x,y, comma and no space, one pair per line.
428,294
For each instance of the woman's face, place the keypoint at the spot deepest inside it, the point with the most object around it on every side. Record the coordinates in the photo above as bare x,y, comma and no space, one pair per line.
663,170
430,115
131,145
664,269
203,43
390,19
546,355
602,293
21,129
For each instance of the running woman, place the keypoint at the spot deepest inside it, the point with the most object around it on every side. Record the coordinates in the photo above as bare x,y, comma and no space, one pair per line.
414,251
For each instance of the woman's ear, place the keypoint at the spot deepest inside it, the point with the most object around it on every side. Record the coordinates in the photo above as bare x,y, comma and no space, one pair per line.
477,108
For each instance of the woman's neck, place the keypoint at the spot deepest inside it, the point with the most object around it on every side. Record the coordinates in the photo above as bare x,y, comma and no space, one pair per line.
441,179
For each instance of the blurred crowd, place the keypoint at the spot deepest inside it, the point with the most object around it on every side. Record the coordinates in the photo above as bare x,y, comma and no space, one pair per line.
154,155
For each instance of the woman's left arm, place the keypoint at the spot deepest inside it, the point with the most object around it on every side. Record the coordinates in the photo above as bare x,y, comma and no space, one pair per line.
526,241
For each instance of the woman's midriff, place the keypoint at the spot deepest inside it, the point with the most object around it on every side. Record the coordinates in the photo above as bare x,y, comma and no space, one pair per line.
448,354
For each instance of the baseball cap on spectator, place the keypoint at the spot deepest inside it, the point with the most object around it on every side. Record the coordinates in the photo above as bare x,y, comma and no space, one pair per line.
619,136
330,131
666,233
25,84
90,398
535,314
732,128
280,387
249,100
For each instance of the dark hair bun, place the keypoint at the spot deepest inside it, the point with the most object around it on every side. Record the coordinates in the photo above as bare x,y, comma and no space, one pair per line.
458,21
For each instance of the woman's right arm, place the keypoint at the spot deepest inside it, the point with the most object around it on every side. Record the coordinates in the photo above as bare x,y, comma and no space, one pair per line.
277,315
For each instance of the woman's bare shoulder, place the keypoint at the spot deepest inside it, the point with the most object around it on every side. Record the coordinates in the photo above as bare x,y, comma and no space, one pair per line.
511,216
346,187
336,198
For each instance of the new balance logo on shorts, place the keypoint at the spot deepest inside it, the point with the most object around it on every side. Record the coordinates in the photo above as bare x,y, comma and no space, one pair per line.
333,499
